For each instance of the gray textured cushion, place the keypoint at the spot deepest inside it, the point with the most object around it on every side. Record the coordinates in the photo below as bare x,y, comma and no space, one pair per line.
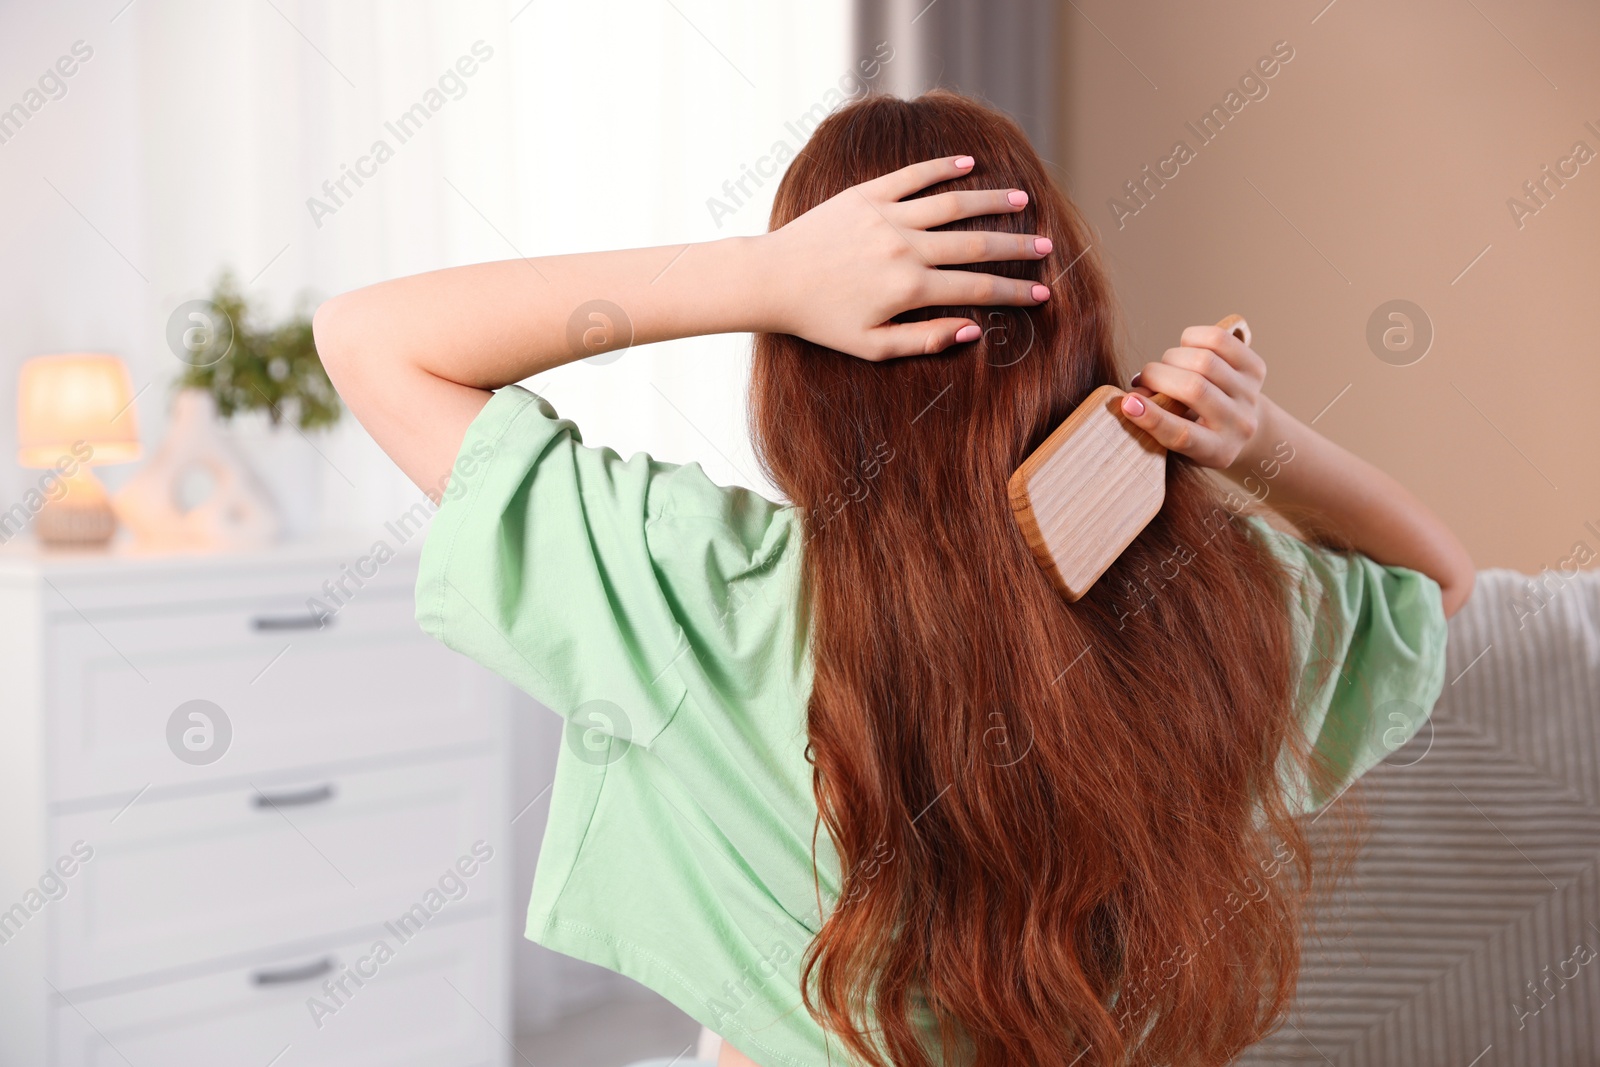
1480,874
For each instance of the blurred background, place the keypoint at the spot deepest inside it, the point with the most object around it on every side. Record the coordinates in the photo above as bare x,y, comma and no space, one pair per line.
231,757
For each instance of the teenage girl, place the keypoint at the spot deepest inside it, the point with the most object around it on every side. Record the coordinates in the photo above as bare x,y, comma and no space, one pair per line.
846,778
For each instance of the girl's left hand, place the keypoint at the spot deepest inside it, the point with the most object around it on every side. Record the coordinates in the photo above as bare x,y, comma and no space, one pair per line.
842,270
1217,379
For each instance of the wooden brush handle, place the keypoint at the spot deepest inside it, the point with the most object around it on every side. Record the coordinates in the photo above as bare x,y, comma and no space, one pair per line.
1235,325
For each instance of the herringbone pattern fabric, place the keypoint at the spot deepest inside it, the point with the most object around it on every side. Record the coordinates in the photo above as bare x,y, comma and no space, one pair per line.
1469,935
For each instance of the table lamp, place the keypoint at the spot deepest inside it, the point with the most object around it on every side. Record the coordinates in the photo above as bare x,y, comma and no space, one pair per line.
75,412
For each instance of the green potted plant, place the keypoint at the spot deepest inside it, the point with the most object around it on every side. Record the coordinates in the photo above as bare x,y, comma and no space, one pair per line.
272,369
272,395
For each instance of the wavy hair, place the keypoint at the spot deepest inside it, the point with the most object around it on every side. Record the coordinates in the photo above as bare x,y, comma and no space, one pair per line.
1064,830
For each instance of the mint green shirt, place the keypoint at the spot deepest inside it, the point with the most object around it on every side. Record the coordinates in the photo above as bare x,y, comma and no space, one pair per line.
656,612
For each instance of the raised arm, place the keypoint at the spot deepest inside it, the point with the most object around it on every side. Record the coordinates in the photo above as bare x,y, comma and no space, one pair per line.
415,358
1240,431
1376,514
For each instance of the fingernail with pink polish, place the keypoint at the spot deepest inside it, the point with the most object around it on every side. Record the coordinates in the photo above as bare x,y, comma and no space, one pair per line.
1133,405
963,162
1018,198
969,332
1043,245
1041,292
1135,380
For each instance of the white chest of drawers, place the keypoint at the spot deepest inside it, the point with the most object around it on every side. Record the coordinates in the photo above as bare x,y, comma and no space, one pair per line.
233,832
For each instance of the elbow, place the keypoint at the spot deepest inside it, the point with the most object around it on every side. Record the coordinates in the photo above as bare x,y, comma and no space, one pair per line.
1456,588
1456,594
344,343
330,332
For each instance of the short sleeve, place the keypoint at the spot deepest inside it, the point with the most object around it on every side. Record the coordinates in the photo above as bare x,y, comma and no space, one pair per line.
593,583
1371,642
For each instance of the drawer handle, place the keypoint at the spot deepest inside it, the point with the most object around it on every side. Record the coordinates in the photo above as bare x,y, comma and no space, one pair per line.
314,795
304,973
290,622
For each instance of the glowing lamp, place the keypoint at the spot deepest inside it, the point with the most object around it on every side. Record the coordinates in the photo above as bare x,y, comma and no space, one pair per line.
74,412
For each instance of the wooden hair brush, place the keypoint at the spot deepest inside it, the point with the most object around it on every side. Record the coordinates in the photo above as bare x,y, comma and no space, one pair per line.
1093,486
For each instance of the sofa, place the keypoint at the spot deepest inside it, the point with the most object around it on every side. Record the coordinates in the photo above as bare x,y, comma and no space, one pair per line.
1469,932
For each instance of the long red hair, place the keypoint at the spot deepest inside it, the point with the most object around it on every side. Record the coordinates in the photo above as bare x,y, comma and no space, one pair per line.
1063,829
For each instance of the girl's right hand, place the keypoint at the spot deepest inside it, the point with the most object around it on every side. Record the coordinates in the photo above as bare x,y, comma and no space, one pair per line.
839,273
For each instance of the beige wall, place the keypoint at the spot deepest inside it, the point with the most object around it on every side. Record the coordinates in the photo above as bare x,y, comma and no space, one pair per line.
1376,167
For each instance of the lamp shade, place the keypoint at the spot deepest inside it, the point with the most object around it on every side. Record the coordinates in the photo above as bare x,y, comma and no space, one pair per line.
62,400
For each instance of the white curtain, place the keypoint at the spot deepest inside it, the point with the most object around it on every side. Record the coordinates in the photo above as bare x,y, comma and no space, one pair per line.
199,133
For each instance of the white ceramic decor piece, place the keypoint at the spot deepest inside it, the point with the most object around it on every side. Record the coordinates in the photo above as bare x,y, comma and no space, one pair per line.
236,512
